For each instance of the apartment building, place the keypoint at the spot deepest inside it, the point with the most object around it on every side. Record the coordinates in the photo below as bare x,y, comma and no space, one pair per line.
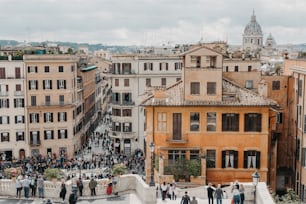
132,76
13,114
210,119
54,108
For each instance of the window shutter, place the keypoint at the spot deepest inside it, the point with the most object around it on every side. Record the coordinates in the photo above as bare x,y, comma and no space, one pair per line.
45,118
15,103
51,117
58,134
66,134
57,84
29,85
36,69
45,135
65,116
258,160
17,136
29,69
160,66
258,125
167,66
245,159
37,116
15,119
236,159
223,159
36,82
64,84
50,84
44,81
8,119
58,116
30,118
0,120
52,134
23,119
8,103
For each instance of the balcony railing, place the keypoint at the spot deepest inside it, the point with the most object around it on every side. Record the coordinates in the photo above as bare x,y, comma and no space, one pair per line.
3,93
18,93
177,140
35,143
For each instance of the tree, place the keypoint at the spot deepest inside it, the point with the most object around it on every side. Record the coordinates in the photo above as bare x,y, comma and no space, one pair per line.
289,197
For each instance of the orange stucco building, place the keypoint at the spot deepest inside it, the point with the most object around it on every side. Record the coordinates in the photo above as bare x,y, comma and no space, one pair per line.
209,118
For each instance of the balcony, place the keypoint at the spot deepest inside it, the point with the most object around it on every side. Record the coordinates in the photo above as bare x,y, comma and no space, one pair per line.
18,93
35,143
173,140
128,103
3,93
60,103
123,135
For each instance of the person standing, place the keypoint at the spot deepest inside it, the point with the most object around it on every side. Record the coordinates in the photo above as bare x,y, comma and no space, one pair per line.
185,199
194,200
219,194
40,186
18,188
80,186
63,191
164,188
236,195
72,198
241,190
33,186
26,187
92,185
210,194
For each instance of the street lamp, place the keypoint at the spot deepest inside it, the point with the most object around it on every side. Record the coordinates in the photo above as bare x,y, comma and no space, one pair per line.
152,183
255,177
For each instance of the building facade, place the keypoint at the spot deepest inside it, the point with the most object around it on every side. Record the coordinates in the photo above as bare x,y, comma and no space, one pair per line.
208,116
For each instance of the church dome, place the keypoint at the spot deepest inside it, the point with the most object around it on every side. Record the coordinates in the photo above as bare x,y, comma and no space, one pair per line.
253,28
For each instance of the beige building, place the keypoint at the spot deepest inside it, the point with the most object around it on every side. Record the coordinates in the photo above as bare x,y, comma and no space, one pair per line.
54,110
13,114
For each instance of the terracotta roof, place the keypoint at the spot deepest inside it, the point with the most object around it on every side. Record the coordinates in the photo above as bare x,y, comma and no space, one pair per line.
233,95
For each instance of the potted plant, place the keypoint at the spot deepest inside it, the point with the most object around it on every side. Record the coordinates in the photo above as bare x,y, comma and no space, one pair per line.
52,174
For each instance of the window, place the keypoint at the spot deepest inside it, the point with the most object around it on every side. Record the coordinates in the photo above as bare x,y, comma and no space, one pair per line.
126,82
17,73
34,137
229,159
163,81
148,66
178,65
2,73
298,147
249,84
34,117
116,82
211,88
195,88
230,122
19,136
211,121
127,98
48,117
19,119
252,122
177,126
4,119
47,100
4,103
49,134
211,158
116,99
127,112
116,112
60,68
116,126
47,69
194,121
163,66
33,84
32,69
236,68
161,121
116,68
175,155
196,60
61,84
5,137
251,159
33,100
226,69
62,134
279,117
127,127
194,154
18,103
61,99
18,87
148,82
300,87
275,85
249,68
47,84
126,68
62,116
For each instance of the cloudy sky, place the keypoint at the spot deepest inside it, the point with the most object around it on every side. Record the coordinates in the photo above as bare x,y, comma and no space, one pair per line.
149,22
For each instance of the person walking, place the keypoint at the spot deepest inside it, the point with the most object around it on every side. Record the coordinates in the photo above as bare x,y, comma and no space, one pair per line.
185,199
80,186
164,188
63,191
241,190
72,198
40,186
18,188
210,193
194,200
92,186
219,194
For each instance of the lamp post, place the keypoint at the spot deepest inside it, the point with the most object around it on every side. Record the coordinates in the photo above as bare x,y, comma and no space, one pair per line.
255,177
152,183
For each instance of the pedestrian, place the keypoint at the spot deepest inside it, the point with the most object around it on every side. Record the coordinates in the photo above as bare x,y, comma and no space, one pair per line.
210,193
185,199
33,186
18,188
80,186
163,188
241,190
40,186
92,186
219,194
236,195
72,198
194,200
63,191
170,191
26,187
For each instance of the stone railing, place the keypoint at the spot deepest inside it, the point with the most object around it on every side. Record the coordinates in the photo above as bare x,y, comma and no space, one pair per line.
130,182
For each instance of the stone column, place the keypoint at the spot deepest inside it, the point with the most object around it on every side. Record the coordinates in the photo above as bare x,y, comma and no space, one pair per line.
203,167
161,165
